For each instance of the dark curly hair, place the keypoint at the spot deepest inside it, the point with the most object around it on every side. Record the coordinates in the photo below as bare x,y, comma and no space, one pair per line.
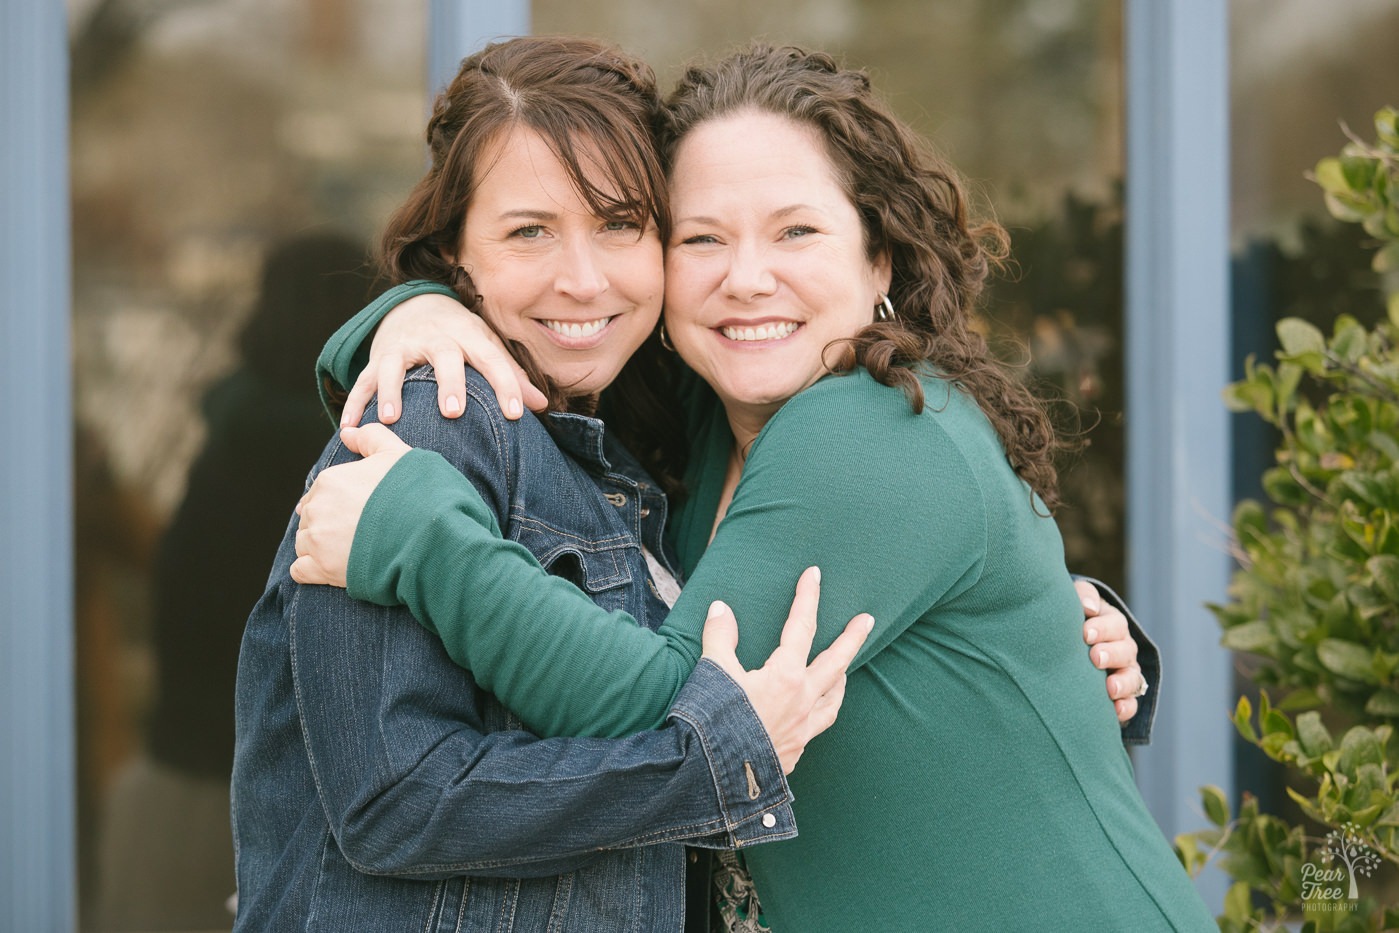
913,209
587,100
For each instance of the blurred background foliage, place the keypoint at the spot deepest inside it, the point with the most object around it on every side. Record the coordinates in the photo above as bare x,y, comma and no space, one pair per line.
1315,600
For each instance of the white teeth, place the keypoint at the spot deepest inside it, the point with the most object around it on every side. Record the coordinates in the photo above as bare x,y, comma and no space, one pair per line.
586,329
761,332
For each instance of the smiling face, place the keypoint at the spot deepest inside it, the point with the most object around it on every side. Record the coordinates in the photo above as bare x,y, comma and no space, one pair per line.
581,292
767,261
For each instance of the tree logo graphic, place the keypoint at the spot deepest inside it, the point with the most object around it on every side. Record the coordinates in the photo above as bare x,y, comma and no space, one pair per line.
1344,845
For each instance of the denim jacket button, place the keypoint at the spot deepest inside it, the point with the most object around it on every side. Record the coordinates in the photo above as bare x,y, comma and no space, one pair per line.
617,499
769,820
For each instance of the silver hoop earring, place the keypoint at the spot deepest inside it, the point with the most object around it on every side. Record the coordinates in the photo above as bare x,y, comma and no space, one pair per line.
665,341
884,311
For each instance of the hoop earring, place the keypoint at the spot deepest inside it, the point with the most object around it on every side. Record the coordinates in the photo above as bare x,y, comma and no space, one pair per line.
884,311
665,341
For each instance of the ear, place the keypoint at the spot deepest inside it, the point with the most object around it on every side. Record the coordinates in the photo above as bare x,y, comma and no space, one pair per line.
452,251
883,271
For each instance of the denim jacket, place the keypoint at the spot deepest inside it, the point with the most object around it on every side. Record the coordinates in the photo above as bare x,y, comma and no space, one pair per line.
376,787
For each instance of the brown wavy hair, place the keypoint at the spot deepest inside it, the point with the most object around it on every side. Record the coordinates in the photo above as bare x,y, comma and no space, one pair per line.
596,107
913,208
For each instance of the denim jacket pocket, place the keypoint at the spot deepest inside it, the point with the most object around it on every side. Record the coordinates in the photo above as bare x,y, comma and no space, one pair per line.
597,565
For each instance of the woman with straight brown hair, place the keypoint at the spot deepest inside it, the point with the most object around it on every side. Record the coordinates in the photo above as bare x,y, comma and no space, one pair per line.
376,785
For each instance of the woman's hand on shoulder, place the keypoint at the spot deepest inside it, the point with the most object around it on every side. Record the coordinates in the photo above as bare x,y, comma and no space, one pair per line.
794,700
331,509
436,329
1111,648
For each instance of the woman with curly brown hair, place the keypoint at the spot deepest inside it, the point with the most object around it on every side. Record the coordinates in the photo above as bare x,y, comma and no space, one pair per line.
820,271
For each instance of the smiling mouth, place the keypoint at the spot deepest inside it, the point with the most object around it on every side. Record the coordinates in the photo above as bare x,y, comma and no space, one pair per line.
577,330
776,331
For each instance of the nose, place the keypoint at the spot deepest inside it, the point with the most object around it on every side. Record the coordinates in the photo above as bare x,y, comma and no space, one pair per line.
749,275
580,273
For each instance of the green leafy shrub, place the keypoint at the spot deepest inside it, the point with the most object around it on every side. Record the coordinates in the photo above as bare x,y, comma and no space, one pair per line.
1316,599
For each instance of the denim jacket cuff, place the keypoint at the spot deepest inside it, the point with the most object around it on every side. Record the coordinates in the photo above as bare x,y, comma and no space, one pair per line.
752,791
1137,731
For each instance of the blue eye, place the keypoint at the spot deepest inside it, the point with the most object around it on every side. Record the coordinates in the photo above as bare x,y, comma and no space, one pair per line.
530,232
699,238
616,226
796,232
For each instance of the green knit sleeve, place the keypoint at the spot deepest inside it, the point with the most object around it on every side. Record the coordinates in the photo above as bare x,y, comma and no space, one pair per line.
565,666
347,350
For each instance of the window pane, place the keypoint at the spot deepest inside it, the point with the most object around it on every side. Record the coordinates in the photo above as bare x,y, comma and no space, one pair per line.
1025,96
231,164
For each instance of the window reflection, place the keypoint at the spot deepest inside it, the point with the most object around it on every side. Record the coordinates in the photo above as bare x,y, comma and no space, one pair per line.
231,163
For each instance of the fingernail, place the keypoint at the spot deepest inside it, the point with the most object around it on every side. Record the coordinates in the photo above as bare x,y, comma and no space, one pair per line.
452,406
816,573
1092,634
869,625
515,408
386,410
716,609
1103,658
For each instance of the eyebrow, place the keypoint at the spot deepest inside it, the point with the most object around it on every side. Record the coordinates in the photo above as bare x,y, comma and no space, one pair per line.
529,215
777,214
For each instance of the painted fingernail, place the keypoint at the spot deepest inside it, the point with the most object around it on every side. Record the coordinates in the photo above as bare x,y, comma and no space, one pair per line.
515,408
452,406
386,410
1092,634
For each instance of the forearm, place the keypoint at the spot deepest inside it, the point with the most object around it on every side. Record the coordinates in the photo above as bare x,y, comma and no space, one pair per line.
414,785
428,541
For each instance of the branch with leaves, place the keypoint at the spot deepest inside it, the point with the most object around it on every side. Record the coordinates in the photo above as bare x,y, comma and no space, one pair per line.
1316,598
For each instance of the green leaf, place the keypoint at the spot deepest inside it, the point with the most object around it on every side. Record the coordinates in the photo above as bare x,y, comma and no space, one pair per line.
1216,805
1383,703
1359,746
1330,176
1387,127
1191,858
1312,735
1346,658
1243,719
1253,637
1350,338
1385,569
1387,259
1298,337
1359,172
1302,699
1238,902
1273,722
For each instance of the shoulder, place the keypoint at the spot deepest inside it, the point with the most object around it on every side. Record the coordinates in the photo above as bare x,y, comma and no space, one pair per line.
857,448
855,414
480,443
